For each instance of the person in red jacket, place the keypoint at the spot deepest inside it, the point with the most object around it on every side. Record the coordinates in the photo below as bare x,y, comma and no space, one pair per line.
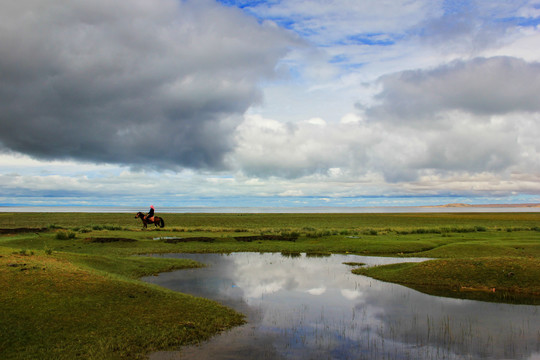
150,215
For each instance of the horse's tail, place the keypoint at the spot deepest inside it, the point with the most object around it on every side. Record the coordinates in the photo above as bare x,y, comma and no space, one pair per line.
161,222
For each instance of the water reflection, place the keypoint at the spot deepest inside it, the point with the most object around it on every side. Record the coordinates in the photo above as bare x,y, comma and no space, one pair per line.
306,308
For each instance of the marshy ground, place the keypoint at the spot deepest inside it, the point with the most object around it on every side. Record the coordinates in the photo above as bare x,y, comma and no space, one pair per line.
73,287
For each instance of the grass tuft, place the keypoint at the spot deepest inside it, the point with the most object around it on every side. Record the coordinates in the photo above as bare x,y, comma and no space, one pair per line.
65,235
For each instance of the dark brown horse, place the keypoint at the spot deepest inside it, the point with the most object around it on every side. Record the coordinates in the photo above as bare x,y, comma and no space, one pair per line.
157,220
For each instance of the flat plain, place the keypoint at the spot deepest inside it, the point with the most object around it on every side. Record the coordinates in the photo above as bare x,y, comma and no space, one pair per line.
73,289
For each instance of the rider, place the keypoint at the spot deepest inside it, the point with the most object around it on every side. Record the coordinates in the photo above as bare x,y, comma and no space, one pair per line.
150,215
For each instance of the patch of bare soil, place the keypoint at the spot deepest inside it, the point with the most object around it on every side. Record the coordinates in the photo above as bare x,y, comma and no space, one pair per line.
21,230
177,240
267,237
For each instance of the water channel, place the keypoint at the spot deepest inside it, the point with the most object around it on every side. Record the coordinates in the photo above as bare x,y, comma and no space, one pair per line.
314,308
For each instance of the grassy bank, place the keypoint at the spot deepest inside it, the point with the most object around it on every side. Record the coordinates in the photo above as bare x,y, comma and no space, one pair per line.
67,306
73,288
501,279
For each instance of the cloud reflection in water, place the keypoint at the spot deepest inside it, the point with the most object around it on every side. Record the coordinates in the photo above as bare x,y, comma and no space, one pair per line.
304,308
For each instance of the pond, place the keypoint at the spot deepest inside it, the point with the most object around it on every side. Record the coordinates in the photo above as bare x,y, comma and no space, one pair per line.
305,307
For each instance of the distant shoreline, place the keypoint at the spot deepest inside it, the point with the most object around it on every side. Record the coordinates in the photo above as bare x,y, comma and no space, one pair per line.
455,207
461,205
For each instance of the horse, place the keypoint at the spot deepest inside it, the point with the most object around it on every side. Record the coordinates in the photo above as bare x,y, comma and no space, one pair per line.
157,220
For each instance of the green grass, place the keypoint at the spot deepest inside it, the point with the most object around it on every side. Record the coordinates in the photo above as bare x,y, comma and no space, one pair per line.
500,279
277,222
73,277
66,306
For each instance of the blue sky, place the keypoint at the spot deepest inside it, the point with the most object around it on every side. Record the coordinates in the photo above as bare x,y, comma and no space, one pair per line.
269,103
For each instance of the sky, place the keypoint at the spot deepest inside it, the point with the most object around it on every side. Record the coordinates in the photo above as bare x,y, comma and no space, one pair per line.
269,102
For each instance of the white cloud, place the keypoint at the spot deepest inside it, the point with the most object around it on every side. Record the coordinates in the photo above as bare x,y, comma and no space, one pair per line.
351,294
317,291
480,86
270,148
462,142
351,118
292,192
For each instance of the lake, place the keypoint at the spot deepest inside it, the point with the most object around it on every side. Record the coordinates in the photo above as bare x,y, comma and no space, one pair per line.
314,308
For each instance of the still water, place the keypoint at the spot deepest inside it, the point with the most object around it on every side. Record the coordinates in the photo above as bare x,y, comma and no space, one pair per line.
315,308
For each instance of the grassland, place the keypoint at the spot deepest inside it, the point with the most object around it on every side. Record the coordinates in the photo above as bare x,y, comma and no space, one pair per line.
73,288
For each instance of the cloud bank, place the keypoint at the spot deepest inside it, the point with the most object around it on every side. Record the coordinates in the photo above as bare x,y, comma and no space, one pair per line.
481,86
156,83
466,117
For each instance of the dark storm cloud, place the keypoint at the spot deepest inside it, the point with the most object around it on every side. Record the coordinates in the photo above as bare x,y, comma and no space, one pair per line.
131,82
482,86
